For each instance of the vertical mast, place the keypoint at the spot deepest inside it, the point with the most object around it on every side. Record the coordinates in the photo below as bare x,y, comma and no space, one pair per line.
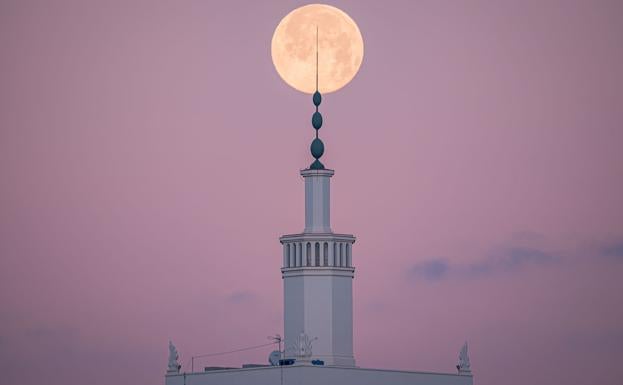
317,147
316,58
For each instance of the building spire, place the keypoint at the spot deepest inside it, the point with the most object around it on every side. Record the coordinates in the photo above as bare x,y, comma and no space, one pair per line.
317,147
316,58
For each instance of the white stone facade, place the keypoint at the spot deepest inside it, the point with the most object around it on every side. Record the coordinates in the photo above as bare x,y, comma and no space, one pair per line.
314,375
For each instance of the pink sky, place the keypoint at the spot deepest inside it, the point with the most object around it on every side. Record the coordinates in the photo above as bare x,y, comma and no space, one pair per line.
149,156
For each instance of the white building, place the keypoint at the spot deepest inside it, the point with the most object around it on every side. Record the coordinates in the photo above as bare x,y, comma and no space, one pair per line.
317,273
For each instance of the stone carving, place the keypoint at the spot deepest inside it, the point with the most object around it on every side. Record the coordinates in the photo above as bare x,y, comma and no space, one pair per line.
303,346
174,365
464,366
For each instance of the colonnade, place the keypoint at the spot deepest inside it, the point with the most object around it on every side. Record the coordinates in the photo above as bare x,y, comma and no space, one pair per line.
317,253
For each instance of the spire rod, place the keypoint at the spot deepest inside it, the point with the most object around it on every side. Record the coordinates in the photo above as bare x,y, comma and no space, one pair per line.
317,147
316,58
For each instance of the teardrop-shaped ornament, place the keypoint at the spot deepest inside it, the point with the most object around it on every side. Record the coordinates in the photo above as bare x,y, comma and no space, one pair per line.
317,98
317,148
317,120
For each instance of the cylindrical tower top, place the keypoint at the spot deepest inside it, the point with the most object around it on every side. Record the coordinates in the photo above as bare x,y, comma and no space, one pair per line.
317,200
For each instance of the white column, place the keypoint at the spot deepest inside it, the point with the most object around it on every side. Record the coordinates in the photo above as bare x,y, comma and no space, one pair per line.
285,255
331,246
317,200
299,254
337,254
349,256
291,254
325,253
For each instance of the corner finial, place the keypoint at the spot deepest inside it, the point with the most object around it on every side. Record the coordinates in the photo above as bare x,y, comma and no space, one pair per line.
174,365
464,366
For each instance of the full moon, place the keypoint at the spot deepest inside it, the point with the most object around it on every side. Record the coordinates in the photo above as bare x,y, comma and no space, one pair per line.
340,48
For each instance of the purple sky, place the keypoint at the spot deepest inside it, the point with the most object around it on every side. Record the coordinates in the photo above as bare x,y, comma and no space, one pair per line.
149,158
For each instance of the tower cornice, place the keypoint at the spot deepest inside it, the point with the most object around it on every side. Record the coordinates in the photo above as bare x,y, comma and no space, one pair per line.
323,172
318,271
302,237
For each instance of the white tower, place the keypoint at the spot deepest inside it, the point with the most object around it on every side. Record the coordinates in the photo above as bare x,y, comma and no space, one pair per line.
318,279
318,272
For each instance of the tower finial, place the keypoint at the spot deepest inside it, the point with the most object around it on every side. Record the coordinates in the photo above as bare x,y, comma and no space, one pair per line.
317,147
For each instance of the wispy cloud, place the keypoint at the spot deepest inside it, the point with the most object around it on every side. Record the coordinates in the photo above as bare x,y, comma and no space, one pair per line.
431,270
45,332
241,297
527,236
517,257
504,260
607,339
613,251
